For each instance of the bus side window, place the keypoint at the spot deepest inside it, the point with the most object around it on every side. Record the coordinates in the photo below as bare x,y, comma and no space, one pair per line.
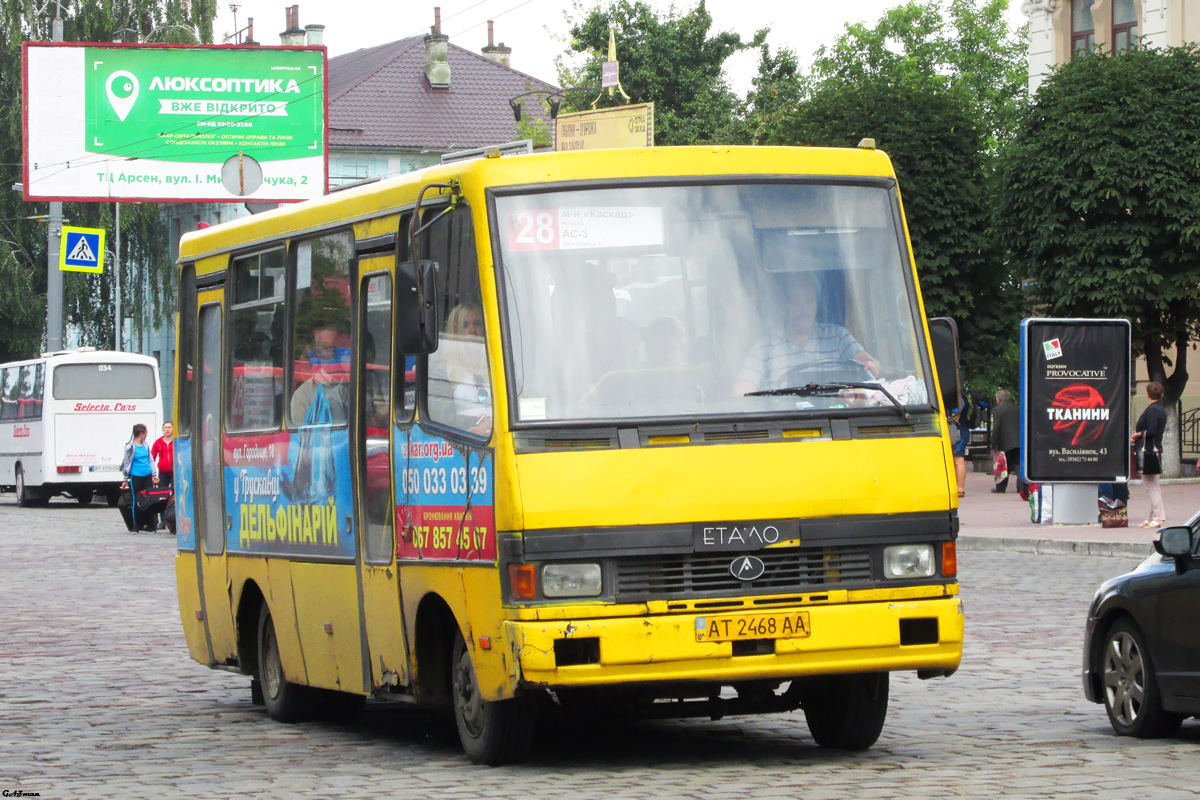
9,393
30,407
321,339
256,326
458,390
187,351
406,379
376,489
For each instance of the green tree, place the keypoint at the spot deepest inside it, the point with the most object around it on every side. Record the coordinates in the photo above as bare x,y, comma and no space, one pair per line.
966,44
776,93
1100,193
934,86
88,300
936,146
673,60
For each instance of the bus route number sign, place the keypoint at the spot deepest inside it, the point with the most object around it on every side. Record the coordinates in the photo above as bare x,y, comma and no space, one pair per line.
585,228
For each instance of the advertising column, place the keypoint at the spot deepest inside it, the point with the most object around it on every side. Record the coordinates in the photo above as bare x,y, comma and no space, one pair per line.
1075,409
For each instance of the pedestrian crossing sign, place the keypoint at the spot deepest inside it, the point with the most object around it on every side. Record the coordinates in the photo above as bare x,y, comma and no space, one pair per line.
82,250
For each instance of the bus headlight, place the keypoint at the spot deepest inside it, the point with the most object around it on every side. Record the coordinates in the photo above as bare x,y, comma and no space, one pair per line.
908,561
571,580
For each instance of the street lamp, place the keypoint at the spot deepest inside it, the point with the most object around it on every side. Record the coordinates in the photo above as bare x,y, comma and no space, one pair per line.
553,99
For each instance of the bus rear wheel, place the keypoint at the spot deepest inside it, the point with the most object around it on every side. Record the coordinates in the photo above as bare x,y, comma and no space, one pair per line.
492,733
85,497
846,712
285,701
27,497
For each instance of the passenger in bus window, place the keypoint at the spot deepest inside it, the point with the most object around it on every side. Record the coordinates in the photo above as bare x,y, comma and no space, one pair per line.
805,345
665,343
321,370
466,367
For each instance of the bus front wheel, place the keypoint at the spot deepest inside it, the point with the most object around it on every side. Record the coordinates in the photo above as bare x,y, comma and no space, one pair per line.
285,701
492,733
846,712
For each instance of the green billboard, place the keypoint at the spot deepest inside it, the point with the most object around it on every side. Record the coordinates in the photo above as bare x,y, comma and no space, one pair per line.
168,122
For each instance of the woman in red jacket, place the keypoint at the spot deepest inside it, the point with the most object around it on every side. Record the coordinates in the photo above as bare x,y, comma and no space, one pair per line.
163,453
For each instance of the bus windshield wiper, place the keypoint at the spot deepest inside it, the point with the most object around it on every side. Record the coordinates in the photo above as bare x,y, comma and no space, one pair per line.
832,387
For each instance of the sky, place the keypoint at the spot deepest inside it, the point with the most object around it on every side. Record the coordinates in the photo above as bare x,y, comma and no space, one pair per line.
536,29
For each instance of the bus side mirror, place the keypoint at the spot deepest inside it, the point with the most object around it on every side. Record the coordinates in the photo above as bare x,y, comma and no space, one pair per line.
943,335
416,308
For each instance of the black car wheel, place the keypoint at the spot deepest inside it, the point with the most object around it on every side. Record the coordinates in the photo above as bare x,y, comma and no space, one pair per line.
1131,694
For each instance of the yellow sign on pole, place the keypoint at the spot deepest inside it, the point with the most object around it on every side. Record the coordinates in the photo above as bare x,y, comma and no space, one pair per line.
82,250
607,128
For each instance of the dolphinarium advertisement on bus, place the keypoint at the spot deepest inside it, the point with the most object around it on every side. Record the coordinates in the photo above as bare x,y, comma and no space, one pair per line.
1075,400
288,493
444,499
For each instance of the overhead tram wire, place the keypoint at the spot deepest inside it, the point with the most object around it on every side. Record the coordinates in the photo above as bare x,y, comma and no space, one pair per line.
495,17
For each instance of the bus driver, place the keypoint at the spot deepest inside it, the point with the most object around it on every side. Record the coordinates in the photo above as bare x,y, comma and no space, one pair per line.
805,341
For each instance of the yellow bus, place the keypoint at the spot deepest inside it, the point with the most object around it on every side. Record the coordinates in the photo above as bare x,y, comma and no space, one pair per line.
655,429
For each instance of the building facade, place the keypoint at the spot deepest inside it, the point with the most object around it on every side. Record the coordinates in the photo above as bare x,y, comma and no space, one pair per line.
1057,28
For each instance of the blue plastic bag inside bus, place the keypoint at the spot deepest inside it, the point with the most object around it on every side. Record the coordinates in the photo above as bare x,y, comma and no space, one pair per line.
313,475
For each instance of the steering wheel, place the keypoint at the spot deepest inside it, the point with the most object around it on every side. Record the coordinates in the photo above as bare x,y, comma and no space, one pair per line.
828,369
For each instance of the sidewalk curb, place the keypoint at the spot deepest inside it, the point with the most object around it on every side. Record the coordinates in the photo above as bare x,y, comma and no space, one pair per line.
1058,547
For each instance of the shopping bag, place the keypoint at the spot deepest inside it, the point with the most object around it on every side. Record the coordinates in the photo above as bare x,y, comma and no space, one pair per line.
1041,503
999,467
1115,516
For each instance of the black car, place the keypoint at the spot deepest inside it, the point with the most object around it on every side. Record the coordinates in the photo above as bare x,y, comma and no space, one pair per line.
1141,650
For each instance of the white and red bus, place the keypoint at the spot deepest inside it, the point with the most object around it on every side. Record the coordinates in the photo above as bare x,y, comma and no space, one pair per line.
65,418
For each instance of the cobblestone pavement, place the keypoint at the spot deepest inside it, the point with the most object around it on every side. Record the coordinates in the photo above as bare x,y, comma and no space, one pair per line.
98,698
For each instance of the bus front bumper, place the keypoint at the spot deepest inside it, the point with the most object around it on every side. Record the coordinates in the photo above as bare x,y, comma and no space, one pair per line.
858,637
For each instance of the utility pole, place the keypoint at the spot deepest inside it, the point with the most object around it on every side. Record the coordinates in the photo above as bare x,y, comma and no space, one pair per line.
117,278
54,281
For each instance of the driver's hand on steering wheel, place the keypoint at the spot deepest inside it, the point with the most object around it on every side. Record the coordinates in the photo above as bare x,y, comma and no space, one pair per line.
870,362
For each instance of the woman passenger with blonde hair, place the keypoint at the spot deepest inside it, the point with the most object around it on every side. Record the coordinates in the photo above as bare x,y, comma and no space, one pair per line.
466,368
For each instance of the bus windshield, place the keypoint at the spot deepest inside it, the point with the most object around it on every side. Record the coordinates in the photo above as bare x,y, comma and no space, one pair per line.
709,300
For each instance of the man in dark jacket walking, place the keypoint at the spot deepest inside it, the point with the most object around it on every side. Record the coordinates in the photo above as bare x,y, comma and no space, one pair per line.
1006,437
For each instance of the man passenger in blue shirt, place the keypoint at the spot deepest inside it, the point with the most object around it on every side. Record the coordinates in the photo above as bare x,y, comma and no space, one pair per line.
804,341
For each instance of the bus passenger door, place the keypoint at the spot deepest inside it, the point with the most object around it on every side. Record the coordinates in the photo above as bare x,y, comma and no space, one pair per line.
209,484
383,621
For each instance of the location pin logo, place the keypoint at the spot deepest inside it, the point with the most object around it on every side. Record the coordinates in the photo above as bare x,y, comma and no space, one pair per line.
122,88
